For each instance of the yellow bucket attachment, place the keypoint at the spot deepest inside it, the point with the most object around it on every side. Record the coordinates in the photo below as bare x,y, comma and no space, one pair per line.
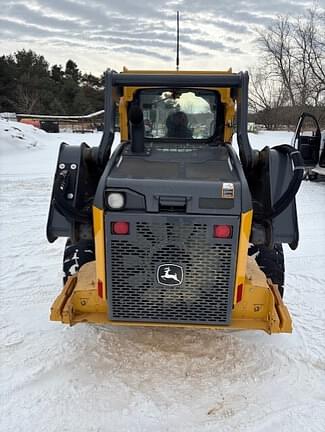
260,308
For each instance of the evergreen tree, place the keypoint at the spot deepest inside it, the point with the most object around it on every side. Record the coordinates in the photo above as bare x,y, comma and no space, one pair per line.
28,85
72,71
7,83
33,81
57,73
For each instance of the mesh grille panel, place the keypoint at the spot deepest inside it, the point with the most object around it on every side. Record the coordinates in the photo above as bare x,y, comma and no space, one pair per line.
205,293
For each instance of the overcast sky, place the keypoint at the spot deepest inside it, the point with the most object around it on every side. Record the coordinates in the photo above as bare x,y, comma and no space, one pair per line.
215,34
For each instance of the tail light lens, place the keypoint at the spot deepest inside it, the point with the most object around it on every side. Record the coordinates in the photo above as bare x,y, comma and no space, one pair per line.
100,288
120,228
239,295
222,231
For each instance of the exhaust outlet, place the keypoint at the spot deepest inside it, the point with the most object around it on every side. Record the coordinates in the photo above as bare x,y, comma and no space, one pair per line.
137,129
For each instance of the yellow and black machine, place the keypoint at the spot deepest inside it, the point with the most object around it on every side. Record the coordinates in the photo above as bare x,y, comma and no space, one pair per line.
173,228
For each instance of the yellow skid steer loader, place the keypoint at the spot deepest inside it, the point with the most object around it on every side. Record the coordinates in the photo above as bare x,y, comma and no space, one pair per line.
173,228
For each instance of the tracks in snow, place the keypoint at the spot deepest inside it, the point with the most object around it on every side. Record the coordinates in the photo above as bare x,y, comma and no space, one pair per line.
150,379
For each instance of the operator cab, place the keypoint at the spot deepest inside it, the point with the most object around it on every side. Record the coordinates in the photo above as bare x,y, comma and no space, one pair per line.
182,163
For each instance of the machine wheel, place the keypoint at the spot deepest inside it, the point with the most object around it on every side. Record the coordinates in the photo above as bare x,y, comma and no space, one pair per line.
76,255
271,262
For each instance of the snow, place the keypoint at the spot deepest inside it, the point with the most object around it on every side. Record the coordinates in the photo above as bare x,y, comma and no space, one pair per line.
25,149
94,379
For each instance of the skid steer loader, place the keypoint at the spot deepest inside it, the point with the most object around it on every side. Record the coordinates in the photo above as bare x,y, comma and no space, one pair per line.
172,228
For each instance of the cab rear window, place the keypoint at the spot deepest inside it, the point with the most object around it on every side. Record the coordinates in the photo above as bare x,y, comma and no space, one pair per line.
179,113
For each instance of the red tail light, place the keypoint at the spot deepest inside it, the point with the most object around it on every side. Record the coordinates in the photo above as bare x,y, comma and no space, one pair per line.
120,228
100,288
239,295
222,231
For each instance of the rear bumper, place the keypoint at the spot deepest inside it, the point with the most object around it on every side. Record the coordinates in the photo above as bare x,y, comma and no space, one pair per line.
261,307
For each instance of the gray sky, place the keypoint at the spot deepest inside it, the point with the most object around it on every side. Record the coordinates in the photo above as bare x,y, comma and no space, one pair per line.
215,34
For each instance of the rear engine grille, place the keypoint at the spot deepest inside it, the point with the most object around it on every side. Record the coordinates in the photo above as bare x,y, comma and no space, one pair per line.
135,294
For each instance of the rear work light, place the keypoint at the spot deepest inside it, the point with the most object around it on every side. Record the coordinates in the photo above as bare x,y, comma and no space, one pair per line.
115,200
120,228
222,231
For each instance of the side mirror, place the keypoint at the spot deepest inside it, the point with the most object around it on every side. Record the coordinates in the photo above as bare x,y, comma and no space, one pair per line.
308,145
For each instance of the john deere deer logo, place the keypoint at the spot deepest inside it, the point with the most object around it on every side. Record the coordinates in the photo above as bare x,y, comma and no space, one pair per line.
170,274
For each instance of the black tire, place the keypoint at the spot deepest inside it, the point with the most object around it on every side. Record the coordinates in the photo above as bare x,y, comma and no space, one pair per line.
271,262
76,255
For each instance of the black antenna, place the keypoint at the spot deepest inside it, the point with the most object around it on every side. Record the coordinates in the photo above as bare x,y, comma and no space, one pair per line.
177,43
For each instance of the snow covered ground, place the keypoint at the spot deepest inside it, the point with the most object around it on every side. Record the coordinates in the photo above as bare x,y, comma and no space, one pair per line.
56,378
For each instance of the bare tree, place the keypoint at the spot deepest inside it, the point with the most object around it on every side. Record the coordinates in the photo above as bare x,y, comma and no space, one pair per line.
277,45
294,53
267,94
309,37
292,73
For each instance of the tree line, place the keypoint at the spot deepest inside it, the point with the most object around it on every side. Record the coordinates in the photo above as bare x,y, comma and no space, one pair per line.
289,79
29,85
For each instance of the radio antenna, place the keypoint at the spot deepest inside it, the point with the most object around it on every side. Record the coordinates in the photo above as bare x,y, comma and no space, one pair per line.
177,43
